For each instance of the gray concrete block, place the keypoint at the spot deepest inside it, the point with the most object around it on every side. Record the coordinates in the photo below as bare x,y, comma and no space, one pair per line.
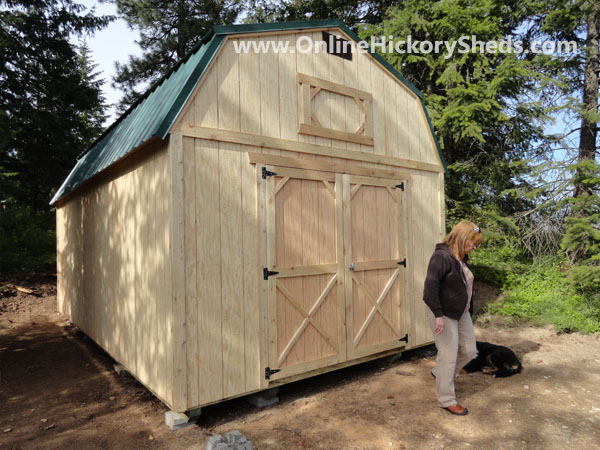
176,421
264,398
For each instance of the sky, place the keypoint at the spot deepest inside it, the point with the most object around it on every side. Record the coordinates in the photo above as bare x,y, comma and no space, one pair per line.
114,43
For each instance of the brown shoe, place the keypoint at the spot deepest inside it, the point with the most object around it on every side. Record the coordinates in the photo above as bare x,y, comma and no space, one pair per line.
457,410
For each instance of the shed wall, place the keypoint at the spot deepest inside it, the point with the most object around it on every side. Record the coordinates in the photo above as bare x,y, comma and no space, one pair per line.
257,93
114,267
225,324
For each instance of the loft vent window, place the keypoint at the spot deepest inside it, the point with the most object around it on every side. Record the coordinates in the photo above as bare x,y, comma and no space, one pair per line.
337,46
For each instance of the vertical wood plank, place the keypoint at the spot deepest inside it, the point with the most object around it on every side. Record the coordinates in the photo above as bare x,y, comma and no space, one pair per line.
144,312
391,116
379,118
426,251
262,288
271,263
371,279
208,272
228,88
269,93
164,286
249,92
190,257
231,268
178,335
403,120
153,280
407,300
416,152
352,115
348,258
305,64
61,259
251,277
288,93
383,248
321,103
206,101
365,84
309,347
337,102
341,272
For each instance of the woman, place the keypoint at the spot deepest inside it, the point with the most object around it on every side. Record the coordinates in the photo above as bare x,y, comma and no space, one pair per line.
447,293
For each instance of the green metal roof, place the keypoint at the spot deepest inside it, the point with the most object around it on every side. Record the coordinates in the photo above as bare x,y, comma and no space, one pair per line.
157,110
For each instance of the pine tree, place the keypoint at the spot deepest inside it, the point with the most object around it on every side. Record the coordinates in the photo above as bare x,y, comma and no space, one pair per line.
92,118
168,31
579,20
352,13
475,95
45,101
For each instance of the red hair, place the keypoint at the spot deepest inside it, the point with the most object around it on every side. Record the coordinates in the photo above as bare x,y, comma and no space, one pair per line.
462,233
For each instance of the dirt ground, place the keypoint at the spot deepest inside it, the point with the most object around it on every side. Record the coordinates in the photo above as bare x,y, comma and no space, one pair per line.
59,390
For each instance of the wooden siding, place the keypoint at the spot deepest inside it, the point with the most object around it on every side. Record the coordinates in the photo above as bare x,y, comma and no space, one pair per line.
227,318
221,273
114,267
258,93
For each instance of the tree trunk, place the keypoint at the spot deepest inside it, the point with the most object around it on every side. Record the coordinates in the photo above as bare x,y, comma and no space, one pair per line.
589,129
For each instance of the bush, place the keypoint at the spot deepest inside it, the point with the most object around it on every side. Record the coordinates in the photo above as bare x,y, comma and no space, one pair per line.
27,241
544,294
495,264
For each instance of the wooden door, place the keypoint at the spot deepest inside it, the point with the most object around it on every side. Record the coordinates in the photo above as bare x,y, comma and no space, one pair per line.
306,294
375,281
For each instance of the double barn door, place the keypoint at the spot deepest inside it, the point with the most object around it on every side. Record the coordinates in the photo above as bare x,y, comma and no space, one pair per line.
335,270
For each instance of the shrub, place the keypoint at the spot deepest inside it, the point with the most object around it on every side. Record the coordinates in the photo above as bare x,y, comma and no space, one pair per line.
544,294
27,240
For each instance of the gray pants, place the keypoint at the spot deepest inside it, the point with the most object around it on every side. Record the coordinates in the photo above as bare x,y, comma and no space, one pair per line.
455,348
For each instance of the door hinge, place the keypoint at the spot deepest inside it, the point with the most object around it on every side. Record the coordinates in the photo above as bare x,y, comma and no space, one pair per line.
267,273
267,173
269,372
405,338
399,186
402,263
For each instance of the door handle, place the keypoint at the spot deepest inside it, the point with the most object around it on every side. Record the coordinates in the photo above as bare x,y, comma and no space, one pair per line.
351,267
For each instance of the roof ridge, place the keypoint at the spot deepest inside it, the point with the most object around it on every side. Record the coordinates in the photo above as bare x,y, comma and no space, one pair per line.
156,110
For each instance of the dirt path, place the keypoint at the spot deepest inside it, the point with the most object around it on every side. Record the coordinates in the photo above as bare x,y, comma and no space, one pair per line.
59,390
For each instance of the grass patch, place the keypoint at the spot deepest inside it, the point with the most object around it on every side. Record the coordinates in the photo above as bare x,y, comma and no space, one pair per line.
541,293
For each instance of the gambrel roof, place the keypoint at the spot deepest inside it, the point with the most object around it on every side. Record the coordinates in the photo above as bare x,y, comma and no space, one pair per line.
156,111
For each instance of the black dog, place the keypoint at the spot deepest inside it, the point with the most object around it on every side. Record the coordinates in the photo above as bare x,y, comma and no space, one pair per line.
494,359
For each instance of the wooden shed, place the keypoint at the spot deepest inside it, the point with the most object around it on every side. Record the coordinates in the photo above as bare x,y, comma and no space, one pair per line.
256,218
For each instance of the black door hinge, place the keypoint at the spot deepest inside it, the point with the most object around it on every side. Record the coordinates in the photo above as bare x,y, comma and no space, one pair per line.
269,372
267,273
399,186
403,262
267,173
405,338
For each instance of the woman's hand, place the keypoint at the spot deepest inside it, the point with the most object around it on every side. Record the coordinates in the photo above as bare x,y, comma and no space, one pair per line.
439,325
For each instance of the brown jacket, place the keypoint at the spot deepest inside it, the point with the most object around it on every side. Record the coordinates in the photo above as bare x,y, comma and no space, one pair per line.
445,290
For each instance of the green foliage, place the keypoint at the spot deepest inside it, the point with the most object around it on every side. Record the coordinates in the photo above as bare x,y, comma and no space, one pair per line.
168,31
544,294
480,102
50,111
27,240
352,13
